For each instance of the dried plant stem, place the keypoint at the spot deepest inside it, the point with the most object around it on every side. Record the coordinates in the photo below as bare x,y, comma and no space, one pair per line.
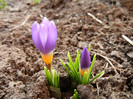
108,62
91,15
23,23
127,39
98,89
106,65
115,62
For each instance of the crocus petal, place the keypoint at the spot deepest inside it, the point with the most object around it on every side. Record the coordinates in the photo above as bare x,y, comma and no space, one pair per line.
85,59
43,31
35,29
44,37
35,36
51,38
45,21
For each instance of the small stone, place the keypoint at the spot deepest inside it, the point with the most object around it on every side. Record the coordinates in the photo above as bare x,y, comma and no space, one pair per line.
80,33
125,64
85,27
130,54
117,54
74,42
82,44
79,38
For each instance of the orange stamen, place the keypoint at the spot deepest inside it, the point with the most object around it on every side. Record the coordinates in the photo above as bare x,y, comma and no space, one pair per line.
47,58
82,71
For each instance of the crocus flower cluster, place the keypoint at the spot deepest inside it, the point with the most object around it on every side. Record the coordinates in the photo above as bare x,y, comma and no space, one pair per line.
80,70
44,36
85,61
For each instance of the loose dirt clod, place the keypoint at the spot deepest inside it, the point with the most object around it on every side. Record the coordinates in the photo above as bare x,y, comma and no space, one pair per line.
85,91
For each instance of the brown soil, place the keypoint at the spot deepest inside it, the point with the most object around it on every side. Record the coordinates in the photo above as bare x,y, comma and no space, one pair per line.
21,67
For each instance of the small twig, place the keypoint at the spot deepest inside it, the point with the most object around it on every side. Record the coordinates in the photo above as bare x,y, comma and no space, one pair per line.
115,62
108,62
106,65
98,89
41,16
127,39
95,18
92,75
103,78
23,23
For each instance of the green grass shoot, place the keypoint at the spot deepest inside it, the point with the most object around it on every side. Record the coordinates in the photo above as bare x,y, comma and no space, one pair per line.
36,1
2,4
75,95
53,77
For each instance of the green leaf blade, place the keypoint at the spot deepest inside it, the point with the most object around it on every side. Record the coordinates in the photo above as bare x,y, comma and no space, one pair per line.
89,48
101,73
72,65
58,79
66,68
55,79
91,67
85,79
36,1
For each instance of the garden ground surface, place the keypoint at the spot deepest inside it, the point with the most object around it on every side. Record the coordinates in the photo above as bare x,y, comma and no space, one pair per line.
21,67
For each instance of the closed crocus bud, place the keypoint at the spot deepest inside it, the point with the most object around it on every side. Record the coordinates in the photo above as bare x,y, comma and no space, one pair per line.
85,61
44,36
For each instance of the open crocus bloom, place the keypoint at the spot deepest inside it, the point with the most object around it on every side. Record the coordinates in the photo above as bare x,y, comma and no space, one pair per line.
44,36
85,61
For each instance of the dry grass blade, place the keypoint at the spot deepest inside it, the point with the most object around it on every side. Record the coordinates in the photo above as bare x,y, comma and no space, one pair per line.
23,23
95,18
98,89
127,39
109,62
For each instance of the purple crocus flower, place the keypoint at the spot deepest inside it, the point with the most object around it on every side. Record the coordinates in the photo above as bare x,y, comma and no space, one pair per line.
44,36
85,61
